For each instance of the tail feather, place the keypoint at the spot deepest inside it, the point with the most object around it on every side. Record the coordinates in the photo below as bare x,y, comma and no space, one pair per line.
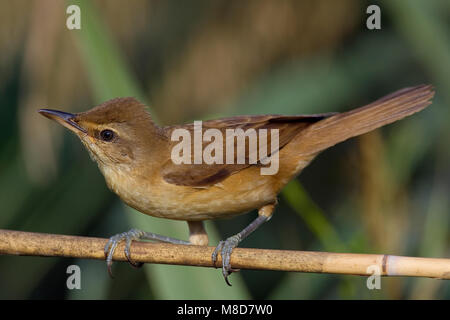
342,126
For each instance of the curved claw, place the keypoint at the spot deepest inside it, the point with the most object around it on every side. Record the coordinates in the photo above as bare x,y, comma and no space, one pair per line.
111,246
128,254
216,253
109,251
226,249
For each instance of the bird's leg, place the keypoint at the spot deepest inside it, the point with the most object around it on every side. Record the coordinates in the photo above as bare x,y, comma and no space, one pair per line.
197,233
129,236
225,248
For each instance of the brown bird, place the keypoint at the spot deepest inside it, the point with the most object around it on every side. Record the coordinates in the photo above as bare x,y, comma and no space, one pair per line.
134,155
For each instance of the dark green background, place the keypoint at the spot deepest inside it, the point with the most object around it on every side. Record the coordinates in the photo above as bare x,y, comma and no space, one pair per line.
385,192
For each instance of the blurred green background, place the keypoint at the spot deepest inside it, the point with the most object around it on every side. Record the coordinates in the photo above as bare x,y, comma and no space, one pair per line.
384,192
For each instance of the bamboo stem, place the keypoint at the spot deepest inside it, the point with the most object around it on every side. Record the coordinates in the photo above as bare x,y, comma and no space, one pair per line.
51,245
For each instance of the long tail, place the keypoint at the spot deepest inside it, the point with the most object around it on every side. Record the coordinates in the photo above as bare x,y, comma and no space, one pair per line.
342,126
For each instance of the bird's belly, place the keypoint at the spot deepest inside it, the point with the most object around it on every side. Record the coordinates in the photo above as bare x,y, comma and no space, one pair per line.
235,195
203,204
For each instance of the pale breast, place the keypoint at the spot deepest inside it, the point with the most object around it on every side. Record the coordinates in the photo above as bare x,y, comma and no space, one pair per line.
237,194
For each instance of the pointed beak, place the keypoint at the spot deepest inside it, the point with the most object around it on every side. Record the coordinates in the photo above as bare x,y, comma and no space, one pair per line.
64,118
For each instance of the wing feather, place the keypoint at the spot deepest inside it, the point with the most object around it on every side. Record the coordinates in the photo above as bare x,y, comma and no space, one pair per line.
201,175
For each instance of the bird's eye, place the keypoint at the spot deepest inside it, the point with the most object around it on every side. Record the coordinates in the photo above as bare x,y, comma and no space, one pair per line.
107,135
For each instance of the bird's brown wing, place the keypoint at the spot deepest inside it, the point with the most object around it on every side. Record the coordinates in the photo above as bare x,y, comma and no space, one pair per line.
316,133
203,175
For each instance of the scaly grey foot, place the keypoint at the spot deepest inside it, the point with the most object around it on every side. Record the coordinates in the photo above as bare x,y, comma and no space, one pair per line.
129,236
225,248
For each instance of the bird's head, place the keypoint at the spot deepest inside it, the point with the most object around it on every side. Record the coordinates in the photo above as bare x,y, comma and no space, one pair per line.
117,133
